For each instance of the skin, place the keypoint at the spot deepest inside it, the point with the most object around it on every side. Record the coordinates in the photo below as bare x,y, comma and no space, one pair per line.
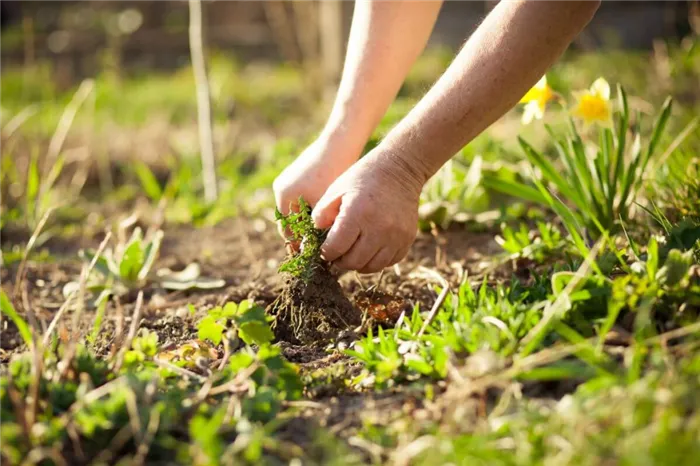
371,204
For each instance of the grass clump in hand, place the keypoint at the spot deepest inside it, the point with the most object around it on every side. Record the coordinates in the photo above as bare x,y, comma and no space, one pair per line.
301,227
311,308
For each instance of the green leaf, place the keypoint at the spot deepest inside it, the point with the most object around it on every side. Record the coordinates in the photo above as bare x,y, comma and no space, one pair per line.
550,173
419,365
514,188
9,310
675,268
148,181
252,323
32,180
150,254
652,258
209,329
205,433
255,332
560,370
101,264
621,140
658,130
132,262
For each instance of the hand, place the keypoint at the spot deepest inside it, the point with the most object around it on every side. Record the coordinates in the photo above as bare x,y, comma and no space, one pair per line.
312,172
372,212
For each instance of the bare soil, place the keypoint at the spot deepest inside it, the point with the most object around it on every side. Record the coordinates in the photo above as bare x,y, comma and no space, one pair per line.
246,254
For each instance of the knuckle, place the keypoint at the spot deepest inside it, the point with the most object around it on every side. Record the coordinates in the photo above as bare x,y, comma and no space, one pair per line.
371,268
329,252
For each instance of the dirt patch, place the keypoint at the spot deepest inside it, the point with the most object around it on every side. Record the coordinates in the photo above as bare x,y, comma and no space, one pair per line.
246,253
313,311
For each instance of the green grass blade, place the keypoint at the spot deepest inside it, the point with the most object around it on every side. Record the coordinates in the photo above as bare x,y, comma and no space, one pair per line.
514,188
587,353
550,173
629,177
569,218
32,189
150,255
659,127
148,181
568,161
9,310
622,127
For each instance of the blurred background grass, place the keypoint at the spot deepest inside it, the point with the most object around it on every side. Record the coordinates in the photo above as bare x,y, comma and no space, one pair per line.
272,81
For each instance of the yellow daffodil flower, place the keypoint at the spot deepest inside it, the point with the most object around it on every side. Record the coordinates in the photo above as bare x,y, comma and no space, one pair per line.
593,105
536,100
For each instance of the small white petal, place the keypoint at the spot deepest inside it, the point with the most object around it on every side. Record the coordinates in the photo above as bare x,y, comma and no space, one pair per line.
542,83
602,88
531,111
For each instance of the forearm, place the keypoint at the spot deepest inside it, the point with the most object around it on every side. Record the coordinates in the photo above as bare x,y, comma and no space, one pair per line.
385,40
507,54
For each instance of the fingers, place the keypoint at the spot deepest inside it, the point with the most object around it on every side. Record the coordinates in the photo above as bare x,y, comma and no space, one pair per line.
359,254
380,260
326,211
341,237
400,255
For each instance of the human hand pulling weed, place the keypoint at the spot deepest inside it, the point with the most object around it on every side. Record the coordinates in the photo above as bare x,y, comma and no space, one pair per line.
371,205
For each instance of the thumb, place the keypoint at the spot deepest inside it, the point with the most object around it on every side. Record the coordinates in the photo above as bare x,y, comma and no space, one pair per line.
326,210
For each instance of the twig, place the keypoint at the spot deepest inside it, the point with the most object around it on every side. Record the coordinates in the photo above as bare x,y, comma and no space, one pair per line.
438,302
151,429
132,410
303,404
30,245
37,370
119,331
37,455
227,354
117,443
66,121
92,396
75,329
18,120
233,385
179,370
135,320
206,140
561,304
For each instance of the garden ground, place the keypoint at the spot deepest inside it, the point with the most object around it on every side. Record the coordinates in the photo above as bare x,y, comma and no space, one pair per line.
519,330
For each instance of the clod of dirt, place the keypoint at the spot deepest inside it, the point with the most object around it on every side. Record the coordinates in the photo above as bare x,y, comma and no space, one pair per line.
312,311
383,308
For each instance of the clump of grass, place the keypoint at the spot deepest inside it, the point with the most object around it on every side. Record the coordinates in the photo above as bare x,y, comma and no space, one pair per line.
302,230
598,181
312,307
64,403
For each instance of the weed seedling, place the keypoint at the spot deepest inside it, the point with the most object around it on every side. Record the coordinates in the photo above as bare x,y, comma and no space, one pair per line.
127,266
302,230
312,307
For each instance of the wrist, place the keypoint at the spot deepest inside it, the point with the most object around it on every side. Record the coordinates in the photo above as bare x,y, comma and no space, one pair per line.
400,166
342,143
408,159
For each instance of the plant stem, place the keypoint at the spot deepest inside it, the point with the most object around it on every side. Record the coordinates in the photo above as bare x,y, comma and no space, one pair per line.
206,140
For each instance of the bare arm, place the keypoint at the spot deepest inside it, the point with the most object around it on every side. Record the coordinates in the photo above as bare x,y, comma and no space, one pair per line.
385,40
507,54
372,207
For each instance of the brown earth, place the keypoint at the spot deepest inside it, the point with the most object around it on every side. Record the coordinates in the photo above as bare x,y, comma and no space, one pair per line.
246,254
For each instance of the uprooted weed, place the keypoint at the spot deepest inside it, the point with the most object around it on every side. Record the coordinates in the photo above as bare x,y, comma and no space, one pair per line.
312,308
